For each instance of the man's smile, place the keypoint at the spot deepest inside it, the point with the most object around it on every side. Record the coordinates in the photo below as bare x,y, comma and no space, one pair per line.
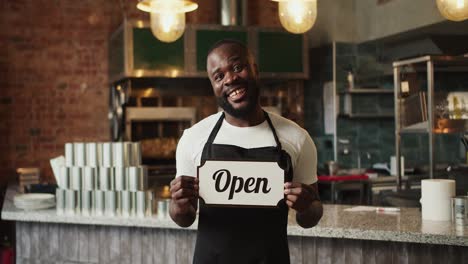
236,94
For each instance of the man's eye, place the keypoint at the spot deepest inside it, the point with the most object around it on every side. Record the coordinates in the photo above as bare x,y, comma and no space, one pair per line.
219,77
237,68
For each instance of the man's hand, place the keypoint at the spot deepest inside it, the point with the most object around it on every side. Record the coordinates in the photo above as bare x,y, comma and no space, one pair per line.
184,197
305,200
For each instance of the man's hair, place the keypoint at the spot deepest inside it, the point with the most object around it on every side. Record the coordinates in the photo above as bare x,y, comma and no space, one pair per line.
227,42
231,42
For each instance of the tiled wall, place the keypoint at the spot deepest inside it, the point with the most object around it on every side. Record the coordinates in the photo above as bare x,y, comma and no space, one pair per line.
374,136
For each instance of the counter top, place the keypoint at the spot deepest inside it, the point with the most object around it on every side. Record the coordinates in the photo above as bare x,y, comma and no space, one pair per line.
403,226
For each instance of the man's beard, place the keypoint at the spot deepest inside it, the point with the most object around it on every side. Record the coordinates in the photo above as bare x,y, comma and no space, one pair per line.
252,101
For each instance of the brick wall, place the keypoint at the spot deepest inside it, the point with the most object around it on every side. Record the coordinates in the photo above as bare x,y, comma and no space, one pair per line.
53,73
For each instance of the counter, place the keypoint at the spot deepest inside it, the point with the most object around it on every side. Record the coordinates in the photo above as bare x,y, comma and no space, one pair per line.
357,235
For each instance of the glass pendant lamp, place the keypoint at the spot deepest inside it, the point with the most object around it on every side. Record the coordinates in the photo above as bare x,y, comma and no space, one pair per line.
297,16
167,17
455,10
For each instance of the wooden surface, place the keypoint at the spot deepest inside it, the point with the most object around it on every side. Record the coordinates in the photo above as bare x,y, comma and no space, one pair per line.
70,243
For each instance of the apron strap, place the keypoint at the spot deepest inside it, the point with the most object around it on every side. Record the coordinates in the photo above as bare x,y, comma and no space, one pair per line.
212,136
278,143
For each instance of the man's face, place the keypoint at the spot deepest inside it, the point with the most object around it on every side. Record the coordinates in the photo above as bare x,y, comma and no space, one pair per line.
234,79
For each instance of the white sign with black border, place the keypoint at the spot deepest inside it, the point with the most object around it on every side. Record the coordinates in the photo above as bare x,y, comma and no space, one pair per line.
241,183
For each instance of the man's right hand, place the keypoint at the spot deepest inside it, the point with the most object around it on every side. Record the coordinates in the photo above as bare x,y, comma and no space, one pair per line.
184,198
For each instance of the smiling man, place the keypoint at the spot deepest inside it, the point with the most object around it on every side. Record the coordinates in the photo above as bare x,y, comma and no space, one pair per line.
244,131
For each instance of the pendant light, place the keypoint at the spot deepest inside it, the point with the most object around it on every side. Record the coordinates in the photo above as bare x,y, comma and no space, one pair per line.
297,16
455,10
167,17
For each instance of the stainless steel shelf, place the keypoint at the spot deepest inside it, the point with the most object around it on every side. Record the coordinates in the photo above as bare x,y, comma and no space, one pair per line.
368,91
366,116
416,128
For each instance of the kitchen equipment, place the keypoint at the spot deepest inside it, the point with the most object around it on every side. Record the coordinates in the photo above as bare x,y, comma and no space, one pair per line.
75,178
460,210
119,177
86,202
436,197
34,201
107,155
69,159
105,179
92,154
99,198
70,202
64,180
125,203
332,167
79,154
60,201
141,204
163,208
89,174
110,207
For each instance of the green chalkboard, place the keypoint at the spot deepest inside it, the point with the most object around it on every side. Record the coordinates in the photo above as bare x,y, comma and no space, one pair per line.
206,39
151,54
280,52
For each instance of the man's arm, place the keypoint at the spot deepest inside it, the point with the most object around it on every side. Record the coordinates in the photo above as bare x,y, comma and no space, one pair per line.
306,201
184,198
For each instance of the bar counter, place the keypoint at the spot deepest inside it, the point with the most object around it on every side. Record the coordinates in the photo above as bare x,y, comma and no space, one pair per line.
340,237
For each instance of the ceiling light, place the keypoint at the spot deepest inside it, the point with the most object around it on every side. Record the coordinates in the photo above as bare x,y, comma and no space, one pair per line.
167,17
455,10
297,16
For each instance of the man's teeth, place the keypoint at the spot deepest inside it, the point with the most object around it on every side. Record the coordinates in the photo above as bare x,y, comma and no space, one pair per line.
235,92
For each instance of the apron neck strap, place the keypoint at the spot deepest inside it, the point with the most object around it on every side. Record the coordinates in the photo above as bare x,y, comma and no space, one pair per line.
278,143
216,128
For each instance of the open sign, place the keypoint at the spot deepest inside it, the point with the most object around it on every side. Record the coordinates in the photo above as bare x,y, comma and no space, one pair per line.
241,183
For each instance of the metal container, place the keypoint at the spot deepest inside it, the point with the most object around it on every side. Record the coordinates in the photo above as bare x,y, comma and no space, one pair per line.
89,174
64,180
80,154
86,202
163,209
119,177
141,204
125,203
460,210
60,201
149,203
105,179
136,154
107,155
69,157
92,154
75,178
121,151
70,202
98,208
110,208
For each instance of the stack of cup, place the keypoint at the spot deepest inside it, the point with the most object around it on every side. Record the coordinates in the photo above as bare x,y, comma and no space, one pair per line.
103,179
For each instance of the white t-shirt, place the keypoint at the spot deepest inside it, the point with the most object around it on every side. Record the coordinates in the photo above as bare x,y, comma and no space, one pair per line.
294,140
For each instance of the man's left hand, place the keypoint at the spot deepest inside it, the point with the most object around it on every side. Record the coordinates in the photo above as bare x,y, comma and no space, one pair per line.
305,200
299,196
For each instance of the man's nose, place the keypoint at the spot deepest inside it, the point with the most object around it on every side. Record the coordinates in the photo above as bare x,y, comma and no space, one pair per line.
230,78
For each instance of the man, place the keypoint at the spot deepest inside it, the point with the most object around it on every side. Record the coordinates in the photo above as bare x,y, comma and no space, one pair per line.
243,131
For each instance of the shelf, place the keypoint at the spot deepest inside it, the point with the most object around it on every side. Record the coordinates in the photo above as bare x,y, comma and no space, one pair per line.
421,127
443,126
367,91
366,116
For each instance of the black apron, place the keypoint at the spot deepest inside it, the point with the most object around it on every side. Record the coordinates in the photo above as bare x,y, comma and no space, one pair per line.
243,235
